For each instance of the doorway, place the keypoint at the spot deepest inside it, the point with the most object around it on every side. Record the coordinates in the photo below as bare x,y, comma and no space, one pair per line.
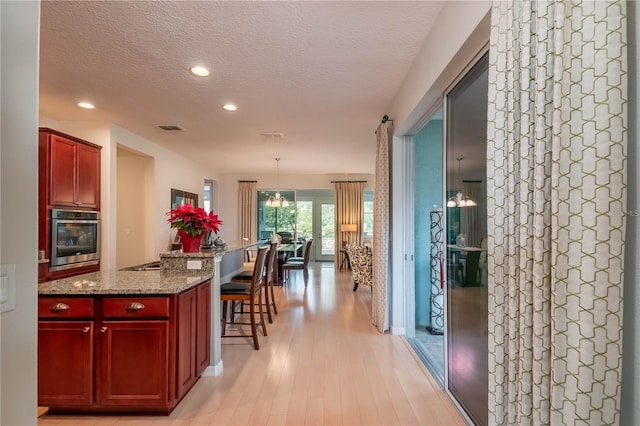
316,219
135,201
324,219
428,337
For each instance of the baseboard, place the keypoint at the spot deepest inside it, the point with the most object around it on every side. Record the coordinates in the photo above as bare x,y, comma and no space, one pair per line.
213,370
398,331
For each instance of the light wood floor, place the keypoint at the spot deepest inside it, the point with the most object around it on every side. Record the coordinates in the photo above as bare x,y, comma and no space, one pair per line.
323,363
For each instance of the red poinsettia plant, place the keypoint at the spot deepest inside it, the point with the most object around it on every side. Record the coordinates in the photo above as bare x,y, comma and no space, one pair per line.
193,220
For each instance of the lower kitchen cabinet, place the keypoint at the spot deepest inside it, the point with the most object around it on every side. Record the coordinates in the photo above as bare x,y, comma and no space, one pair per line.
121,353
134,364
65,363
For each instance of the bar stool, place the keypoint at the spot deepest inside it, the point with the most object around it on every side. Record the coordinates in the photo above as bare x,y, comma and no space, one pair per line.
243,292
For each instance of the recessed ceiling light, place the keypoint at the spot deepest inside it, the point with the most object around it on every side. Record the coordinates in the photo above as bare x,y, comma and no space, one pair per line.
86,105
230,107
200,71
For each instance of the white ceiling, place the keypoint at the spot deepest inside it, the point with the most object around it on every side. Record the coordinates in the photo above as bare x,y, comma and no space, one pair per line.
322,73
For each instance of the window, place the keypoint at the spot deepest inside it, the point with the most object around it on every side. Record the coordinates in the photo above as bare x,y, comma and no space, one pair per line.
277,220
367,220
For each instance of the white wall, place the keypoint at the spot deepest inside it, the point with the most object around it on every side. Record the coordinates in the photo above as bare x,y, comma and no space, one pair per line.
228,192
460,32
20,22
171,170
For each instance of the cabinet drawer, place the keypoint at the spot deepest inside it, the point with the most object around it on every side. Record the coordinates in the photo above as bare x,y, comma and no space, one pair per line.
65,307
132,307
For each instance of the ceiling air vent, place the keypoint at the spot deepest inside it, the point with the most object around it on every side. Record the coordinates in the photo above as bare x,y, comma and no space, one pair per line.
170,127
273,135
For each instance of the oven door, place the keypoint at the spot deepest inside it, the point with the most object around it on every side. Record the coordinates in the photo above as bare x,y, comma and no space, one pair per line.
74,243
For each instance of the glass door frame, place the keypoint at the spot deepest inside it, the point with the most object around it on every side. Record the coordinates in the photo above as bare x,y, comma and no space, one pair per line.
316,220
446,137
317,229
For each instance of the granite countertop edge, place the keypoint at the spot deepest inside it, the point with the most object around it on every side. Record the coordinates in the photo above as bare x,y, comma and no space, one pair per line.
123,283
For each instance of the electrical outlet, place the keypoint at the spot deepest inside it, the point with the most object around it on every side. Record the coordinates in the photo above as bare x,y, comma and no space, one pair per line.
194,264
7,288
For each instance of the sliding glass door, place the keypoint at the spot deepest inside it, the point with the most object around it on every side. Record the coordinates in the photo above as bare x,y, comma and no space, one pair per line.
325,226
465,247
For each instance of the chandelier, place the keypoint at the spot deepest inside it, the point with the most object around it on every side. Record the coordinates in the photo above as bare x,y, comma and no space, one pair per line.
460,200
277,200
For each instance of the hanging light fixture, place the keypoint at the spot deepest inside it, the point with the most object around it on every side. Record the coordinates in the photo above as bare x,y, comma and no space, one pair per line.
277,200
460,200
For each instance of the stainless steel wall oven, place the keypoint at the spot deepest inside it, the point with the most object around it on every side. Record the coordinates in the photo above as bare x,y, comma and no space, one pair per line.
75,238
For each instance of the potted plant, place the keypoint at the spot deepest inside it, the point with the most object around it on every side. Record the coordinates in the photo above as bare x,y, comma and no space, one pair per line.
191,223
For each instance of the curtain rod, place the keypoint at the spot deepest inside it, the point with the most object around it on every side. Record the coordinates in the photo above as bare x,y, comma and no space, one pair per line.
348,181
248,181
385,118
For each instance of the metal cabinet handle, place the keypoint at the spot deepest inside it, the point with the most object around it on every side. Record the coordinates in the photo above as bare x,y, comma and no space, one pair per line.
135,306
59,307
86,329
103,329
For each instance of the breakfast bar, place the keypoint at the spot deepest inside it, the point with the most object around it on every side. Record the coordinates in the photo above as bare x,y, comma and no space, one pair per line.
133,340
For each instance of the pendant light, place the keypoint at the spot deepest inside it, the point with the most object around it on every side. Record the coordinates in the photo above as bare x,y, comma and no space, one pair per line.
278,200
460,200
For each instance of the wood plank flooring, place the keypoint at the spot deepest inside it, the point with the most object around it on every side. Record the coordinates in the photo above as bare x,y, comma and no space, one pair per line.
322,363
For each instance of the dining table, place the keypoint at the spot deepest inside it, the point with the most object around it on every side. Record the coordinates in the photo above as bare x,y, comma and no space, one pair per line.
286,251
465,260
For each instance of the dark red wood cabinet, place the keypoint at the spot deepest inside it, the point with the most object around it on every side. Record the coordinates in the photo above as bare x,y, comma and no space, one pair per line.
74,171
68,177
67,379
203,331
134,364
121,353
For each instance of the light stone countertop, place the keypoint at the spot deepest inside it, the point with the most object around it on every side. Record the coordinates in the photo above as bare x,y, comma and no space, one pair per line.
230,246
123,282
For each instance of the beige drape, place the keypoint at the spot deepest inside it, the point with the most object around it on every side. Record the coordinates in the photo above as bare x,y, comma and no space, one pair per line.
247,211
379,309
556,204
349,210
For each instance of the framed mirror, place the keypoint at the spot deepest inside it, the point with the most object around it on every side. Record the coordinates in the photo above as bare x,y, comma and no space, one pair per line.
179,197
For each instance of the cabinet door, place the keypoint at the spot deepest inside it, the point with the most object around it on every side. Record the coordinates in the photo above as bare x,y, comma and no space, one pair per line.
203,330
133,365
88,178
186,328
63,171
65,363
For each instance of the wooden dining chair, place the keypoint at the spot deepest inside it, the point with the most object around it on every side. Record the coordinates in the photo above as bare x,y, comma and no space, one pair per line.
294,263
249,293
269,297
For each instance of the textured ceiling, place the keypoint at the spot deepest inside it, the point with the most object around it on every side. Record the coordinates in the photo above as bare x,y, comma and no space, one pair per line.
322,73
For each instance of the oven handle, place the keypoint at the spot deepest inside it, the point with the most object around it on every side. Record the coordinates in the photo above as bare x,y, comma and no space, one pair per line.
82,221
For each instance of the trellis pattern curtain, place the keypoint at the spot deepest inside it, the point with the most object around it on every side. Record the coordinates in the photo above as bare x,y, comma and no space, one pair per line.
379,311
247,211
556,202
349,210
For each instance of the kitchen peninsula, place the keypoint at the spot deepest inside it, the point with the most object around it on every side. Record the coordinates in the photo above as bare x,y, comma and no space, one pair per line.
132,340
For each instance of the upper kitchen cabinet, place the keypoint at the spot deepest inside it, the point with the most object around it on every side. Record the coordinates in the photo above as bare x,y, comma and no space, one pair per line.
69,170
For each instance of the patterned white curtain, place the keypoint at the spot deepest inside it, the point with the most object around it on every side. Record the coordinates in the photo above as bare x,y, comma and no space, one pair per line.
556,201
379,311
349,210
247,211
